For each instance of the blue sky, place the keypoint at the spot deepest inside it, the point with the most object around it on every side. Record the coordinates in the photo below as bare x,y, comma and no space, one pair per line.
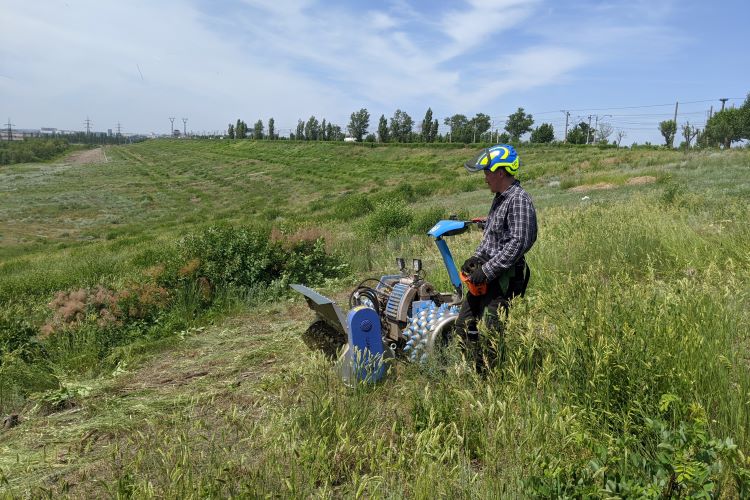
139,62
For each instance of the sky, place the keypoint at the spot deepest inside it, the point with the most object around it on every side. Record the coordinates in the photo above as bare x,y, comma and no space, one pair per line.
140,62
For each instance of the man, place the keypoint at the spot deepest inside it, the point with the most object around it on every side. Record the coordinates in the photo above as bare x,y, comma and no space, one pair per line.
498,262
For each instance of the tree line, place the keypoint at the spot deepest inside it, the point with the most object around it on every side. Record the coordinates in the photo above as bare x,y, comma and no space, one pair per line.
401,127
723,128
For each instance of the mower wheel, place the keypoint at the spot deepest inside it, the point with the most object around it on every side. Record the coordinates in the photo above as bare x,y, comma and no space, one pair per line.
320,336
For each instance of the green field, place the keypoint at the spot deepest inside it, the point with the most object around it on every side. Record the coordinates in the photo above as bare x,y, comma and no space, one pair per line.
627,370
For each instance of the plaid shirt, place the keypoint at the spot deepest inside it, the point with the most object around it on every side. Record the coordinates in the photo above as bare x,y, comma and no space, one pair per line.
509,233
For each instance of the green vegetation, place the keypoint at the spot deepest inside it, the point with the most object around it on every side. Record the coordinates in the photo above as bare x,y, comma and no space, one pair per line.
358,124
151,348
465,130
668,129
30,150
544,133
518,124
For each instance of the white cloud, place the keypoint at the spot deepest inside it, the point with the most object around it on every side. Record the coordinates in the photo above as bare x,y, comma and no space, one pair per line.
481,22
281,58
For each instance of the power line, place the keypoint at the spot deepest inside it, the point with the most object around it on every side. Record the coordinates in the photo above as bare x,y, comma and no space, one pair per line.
661,114
639,106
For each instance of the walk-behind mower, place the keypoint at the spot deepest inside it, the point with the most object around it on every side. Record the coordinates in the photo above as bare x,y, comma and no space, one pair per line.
394,316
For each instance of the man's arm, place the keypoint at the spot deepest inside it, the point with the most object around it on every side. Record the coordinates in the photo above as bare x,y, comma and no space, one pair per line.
522,227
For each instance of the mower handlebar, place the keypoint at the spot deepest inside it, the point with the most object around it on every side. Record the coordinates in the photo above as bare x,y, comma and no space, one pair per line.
479,221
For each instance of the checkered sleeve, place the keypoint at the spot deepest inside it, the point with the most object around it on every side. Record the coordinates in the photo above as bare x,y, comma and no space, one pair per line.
519,238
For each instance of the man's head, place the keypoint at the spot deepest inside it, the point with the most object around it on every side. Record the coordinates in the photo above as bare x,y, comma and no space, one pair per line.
499,163
499,180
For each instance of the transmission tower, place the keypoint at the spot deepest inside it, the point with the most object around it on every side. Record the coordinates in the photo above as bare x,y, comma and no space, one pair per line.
88,126
10,130
171,129
184,127
118,128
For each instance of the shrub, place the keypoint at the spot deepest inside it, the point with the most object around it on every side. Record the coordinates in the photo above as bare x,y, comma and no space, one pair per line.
352,206
249,257
308,262
425,219
386,219
30,150
233,256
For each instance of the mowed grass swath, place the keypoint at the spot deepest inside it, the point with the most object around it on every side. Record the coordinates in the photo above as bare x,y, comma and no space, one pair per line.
627,367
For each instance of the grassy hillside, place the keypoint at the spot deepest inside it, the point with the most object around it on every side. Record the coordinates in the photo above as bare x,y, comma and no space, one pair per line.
627,362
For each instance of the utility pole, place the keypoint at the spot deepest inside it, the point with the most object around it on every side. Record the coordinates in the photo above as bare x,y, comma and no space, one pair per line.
711,112
88,126
171,129
588,132
10,130
723,102
676,107
184,127
567,115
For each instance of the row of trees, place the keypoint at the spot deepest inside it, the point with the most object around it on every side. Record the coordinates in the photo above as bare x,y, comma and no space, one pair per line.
312,130
400,128
239,130
722,129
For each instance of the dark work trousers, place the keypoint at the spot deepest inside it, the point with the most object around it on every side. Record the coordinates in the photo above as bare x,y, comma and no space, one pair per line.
488,308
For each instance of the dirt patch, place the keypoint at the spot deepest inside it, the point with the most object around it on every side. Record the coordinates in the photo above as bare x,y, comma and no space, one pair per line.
583,188
643,179
88,156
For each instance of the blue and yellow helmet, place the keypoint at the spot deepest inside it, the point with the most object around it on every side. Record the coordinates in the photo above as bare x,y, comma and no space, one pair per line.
499,156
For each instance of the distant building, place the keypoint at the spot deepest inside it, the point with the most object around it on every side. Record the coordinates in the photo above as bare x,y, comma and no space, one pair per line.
350,139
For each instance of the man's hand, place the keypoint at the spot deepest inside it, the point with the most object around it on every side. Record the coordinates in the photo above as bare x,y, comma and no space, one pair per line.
470,265
478,276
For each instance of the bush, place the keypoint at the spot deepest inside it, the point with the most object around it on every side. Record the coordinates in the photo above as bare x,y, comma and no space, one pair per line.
352,206
387,218
425,219
247,257
229,256
30,150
